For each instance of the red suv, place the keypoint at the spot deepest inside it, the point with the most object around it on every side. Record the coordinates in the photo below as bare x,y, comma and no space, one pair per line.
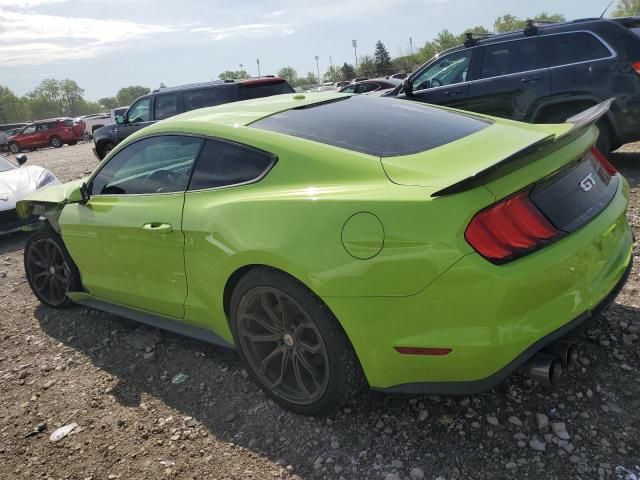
53,132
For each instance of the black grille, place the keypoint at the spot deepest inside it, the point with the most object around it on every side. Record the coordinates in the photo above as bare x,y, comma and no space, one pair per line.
8,216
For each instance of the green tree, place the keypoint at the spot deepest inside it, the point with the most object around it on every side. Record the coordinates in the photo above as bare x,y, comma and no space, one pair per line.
289,74
445,40
311,79
382,59
347,71
509,23
627,8
333,74
127,95
366,66
233,75
12,108
108,103
72,101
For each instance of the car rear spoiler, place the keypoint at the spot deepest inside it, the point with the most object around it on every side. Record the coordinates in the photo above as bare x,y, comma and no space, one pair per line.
580,123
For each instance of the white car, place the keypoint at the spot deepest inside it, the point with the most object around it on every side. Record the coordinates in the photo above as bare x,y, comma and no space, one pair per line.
93,122
16,182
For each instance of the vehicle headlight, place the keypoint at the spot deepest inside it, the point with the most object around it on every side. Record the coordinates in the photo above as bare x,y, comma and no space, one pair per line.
45,179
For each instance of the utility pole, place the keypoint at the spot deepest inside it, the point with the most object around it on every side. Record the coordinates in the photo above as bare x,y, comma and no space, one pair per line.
331,62
318,68
354,43
411,45
258,62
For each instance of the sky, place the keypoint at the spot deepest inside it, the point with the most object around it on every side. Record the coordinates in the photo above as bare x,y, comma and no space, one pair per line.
107,45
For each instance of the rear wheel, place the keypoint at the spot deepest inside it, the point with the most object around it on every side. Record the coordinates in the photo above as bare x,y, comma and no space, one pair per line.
292,345
105,149
14,147
50,270
56,142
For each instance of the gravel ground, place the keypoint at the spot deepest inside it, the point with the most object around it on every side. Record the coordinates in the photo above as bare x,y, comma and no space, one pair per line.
115,379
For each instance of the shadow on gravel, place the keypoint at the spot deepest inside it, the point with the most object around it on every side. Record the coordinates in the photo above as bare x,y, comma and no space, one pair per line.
13,242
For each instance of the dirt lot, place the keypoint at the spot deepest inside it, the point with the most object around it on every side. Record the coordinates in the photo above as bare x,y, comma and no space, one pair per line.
113,379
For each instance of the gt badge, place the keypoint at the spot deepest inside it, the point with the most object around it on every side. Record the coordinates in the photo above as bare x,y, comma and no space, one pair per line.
587,183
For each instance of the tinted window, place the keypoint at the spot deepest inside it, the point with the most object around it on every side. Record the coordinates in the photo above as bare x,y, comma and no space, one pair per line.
349,89
367,87
152,165
509,57
452,68
139,112
166,106
258,90
67,123
222,163
42,126
377,126
207,98
572,48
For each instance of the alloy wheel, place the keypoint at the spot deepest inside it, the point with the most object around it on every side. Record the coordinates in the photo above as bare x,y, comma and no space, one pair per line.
282,345
56,142
48,270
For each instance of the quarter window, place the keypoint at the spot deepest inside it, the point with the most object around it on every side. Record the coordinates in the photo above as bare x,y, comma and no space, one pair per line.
166,106
509,57
572,48
221,164
152,165
209,97
139,112
447,70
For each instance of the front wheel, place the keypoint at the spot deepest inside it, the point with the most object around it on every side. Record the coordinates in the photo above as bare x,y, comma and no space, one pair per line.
292,345
56,142
50,270
105,149
14,148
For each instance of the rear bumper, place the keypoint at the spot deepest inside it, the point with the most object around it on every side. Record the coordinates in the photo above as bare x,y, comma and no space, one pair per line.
571,329
492,317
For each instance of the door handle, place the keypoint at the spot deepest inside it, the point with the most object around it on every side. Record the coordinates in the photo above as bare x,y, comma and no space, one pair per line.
530,79
157,227
452,92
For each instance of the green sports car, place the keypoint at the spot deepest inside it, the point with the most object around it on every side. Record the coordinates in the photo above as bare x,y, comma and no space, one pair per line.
340,241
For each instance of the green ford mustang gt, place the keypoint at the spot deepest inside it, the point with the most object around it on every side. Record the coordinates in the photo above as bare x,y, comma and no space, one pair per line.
340,241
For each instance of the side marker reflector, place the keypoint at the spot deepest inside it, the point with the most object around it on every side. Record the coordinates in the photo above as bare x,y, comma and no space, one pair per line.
422,351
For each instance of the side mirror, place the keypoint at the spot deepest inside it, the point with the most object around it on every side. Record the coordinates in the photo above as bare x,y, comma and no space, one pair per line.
21,159
119,119
77,194
407,87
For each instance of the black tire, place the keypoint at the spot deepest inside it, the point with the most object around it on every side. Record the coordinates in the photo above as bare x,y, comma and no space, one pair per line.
56,142
105,148
335,361
73,142
603,144
14,148
43,252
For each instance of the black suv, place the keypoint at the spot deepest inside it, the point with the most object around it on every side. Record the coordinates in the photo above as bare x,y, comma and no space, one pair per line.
167,102
542,74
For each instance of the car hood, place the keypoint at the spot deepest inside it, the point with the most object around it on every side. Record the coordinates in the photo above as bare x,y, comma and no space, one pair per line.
18,183
55,194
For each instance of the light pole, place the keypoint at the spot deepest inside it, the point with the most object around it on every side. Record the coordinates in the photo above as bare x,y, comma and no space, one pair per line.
318,68
354,43
258,62
241,67
411,45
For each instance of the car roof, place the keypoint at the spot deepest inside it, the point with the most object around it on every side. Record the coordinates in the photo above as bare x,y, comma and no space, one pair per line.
219,83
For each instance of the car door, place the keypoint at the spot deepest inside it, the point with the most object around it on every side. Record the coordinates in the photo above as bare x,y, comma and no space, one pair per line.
213,212
27,138
166,105
127,239
445,80
138,116
512,80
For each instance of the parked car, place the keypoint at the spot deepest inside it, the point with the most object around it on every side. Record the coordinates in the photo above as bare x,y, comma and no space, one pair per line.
167,102
339,85
16,182
54,132
373,85
543,74
331,238
6,131
93,122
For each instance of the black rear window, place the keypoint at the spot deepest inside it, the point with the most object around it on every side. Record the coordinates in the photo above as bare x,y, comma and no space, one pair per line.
208,97
568,48
249,90
383,127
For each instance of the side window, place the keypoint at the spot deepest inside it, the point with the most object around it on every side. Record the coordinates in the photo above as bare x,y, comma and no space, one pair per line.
29,129
447,70
153,165
208,97
166,106
509,57
367,87
139,112
564,49
41,127
222,163
349,89
67,123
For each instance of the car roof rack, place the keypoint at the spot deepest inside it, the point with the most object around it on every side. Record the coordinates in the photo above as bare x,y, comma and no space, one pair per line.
471,38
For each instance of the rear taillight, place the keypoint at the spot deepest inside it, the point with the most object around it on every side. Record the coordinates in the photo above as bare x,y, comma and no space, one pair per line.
510,229
636,66
610,169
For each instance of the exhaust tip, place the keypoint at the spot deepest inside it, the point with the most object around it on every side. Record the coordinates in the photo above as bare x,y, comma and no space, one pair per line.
544,369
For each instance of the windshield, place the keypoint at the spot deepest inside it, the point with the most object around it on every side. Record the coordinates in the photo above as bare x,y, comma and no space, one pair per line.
5,164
